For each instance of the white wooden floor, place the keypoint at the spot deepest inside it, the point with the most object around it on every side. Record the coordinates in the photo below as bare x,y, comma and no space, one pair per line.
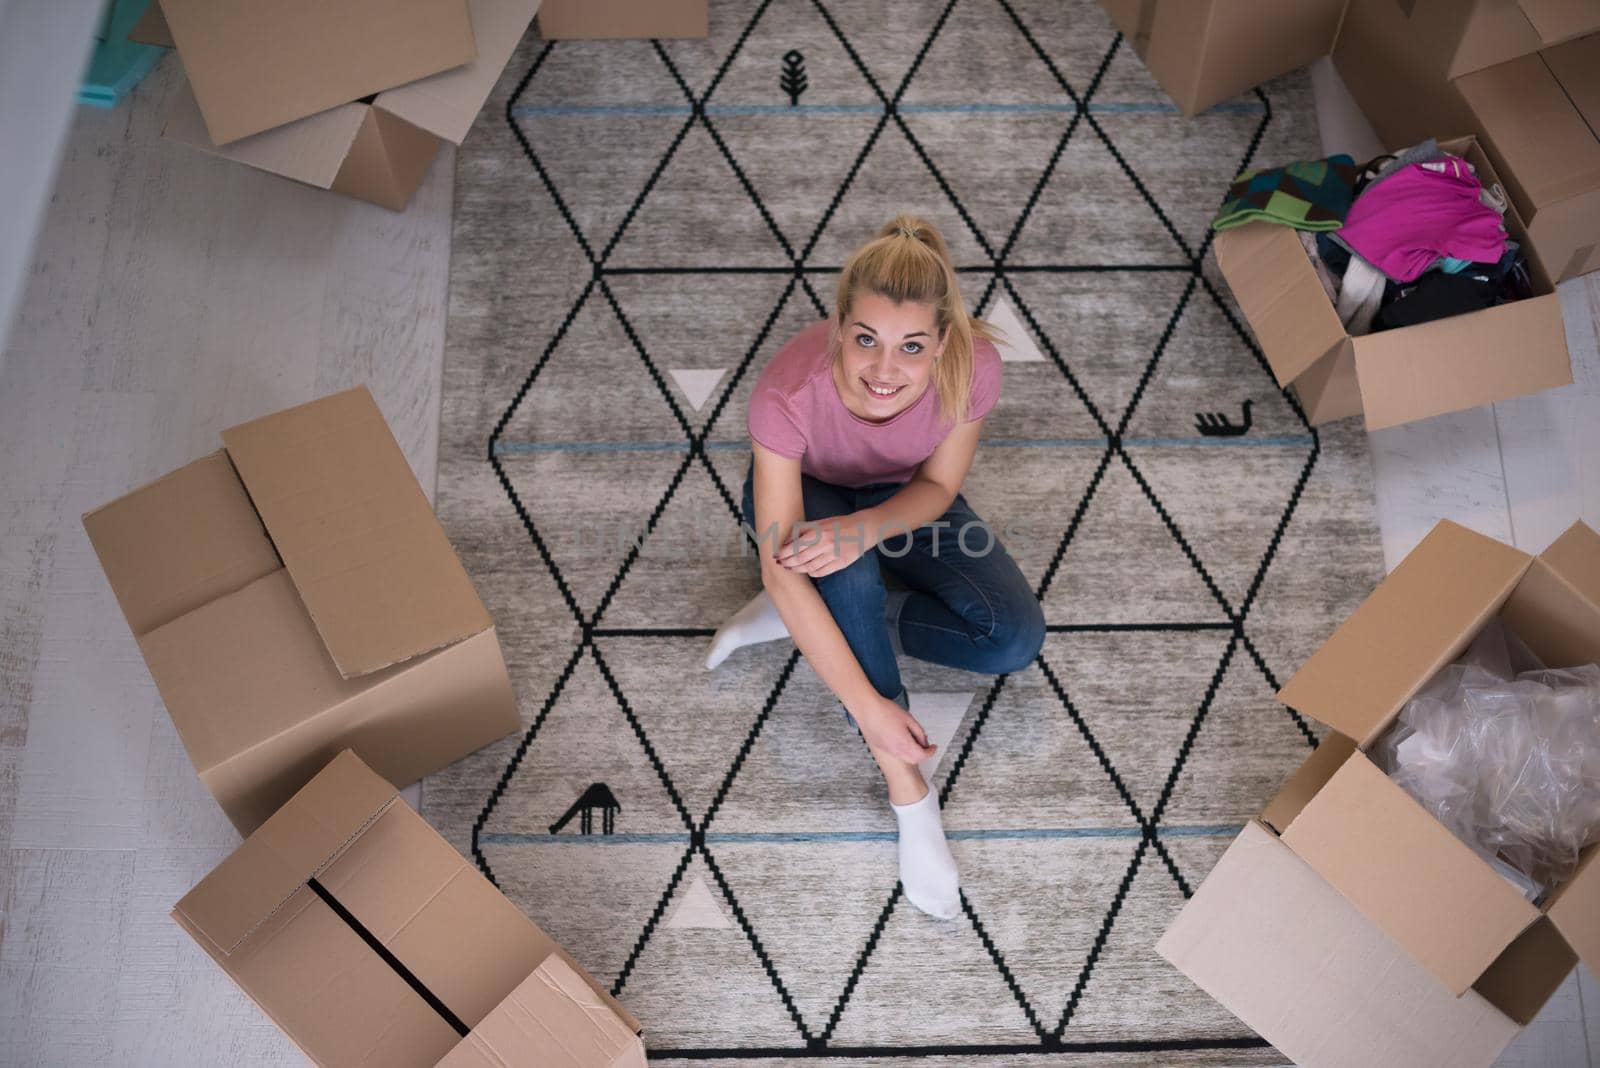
173,295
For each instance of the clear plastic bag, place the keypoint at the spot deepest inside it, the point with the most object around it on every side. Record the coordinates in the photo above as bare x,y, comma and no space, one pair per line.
1506,754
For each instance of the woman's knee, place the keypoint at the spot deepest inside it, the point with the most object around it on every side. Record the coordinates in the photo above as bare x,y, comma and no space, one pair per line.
1018,636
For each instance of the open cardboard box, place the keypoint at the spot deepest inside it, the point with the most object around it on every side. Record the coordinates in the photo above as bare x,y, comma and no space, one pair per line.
369,940
378,149
1346,924
293,595
1392,376
1203,52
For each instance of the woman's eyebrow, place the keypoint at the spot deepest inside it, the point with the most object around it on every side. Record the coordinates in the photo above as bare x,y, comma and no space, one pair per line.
868,329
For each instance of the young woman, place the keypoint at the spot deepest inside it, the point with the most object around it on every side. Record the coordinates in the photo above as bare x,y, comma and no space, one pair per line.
868,421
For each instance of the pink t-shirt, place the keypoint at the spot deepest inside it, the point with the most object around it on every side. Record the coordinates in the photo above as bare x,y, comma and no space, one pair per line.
796,411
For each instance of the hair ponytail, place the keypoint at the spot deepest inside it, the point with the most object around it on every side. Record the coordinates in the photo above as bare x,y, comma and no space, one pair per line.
907,260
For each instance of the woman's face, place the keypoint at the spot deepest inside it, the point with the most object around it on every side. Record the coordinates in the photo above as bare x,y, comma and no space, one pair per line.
888,354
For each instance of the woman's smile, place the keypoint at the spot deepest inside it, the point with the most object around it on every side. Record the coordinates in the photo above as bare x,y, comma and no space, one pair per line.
877,392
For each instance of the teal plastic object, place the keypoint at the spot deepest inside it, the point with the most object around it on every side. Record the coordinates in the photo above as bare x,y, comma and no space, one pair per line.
118,64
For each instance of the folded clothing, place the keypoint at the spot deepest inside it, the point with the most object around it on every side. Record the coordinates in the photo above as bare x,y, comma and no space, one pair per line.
1307,195
1420,213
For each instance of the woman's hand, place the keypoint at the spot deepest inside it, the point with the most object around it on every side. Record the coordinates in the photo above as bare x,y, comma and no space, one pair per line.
819,547
892,729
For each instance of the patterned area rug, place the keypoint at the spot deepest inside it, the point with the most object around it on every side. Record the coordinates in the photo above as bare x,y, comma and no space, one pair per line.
639,225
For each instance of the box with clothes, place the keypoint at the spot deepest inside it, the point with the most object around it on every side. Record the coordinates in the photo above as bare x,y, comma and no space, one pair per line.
1351,922
1533,102
354,97
1396,289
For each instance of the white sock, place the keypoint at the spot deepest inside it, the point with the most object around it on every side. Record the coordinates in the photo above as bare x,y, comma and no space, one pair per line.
927,870
757,621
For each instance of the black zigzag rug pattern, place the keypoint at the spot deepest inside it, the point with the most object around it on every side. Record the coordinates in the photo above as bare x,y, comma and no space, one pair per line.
581,660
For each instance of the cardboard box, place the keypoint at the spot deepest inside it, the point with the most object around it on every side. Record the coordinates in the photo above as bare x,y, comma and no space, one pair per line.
294,595
380,149
561,20
1538,116
369,940
1392,376
255,66
1346,924
1203,52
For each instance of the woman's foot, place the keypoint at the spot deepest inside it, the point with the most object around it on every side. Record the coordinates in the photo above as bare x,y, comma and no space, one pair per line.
757,621
927,870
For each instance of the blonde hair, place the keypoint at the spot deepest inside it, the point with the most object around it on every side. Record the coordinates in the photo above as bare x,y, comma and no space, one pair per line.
907,260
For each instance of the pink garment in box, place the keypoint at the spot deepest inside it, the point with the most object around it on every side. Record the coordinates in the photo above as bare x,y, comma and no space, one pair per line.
1404,223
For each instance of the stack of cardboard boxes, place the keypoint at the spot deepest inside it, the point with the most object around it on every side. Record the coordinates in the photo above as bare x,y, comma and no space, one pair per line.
1512,85
316,639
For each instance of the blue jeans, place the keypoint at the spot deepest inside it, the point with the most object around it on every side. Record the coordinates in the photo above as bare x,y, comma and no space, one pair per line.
965,604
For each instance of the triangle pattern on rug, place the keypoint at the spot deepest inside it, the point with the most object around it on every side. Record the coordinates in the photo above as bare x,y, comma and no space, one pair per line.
563,406
942,970
1227,501
1123,565
1129,976
1027,768
697,215
993,160
695,720
714,320
590,508
1247,747
813,902
892,180
954,72
1138,693
592,896
1027,495
1041,902
697,383
756,74
730,424
940,714
1068,226
580,93
696,907
696,528
684,973
1018,345
583,741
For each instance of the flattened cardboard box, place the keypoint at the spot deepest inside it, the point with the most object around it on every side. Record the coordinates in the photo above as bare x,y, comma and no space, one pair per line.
1347,925
293,595
254,66
1391,376
369,940
378,151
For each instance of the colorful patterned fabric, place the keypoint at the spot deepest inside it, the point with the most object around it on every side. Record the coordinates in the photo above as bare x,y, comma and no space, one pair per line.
1308,195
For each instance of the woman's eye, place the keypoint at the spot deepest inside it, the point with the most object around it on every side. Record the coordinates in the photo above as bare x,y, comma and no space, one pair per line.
913,347
866,341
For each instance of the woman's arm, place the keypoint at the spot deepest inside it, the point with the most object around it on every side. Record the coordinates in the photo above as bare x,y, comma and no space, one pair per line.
779,507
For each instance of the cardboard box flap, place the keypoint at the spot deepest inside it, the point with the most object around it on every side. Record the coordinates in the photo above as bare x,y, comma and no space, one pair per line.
1557,20
295,844
1575,557
1575,910
552,1019
1576,66
1415,622
375,570
152,27
255,66
446,104
1549,149
1460,362
1281,950
1277,289
180,542
1410,876
1555,609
